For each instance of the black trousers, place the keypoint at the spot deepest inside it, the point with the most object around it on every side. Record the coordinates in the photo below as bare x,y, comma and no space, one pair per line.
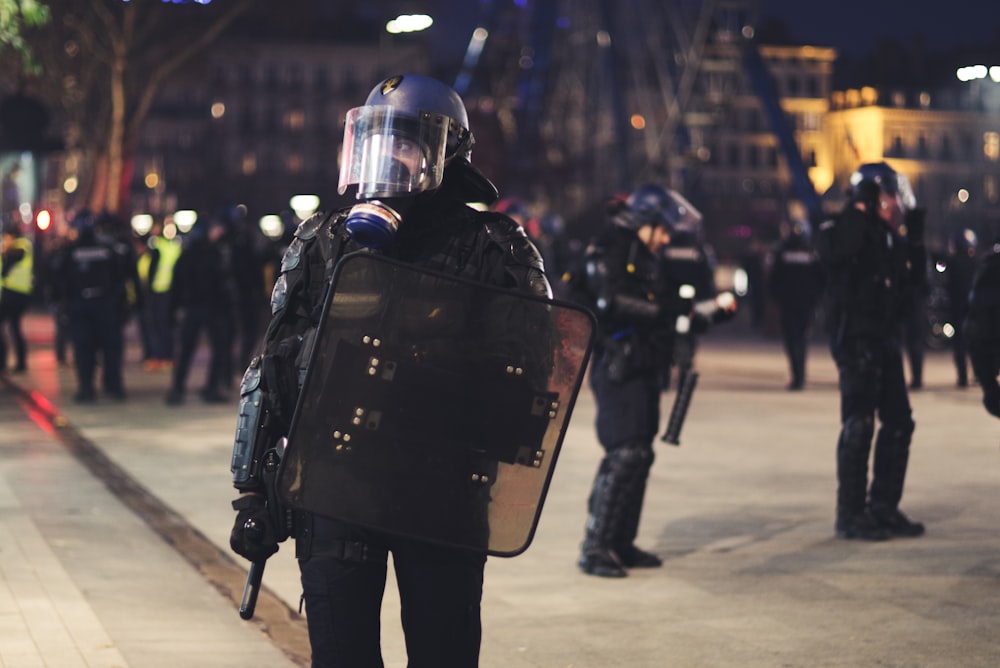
440,591
13,305
96,329
872,384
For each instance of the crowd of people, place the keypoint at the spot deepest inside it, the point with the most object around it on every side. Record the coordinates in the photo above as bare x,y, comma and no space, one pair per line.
205,287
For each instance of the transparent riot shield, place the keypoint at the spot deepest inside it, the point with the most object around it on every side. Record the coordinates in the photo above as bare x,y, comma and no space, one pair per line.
434,407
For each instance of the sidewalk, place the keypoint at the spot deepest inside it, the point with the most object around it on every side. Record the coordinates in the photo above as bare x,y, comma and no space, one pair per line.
114,527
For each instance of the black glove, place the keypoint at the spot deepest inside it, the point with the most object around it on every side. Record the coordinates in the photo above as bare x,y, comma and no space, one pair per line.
253,536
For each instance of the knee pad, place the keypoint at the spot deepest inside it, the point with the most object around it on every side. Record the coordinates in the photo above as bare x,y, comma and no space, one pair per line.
858,431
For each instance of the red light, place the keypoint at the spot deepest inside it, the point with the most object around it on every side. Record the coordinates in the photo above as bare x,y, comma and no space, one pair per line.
43,220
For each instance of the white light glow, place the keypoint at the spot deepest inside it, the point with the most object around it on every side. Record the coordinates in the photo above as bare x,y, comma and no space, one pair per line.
185,220
271,226
409,23
304,205
142,223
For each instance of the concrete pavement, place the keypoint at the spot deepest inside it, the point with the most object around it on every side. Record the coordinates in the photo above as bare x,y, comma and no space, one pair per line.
114,522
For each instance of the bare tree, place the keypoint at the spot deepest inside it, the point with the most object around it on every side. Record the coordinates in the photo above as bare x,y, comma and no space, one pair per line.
103,63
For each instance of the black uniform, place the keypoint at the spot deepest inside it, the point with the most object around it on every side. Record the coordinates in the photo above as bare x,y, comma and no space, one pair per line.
201,293
982,326
625,288
92,275
344,566
796,283
959,273
871,270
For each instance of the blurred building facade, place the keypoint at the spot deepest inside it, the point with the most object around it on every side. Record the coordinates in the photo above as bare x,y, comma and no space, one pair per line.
257,121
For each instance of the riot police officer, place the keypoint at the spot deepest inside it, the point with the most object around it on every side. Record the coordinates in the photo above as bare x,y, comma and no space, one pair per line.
874,256
959,272
407,153
636,310
982,329
796,282
92,275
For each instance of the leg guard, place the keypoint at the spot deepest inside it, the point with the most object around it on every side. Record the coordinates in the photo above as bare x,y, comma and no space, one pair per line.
892,454
616,498
852,464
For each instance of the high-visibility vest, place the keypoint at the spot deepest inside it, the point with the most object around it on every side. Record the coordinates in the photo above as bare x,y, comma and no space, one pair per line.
20,276
169,252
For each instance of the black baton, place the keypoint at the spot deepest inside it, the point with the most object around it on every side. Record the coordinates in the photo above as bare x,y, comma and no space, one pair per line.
685,391
251,589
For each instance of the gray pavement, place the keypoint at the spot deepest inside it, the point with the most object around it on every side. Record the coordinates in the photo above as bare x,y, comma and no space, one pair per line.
114,522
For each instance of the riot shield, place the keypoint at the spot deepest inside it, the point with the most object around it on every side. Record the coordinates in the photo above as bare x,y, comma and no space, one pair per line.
434,407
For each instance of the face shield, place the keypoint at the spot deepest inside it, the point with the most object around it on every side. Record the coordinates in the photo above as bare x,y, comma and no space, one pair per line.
684,216
387,154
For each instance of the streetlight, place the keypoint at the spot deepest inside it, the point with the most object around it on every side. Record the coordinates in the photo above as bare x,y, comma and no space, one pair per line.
404,23
409,23
304,205
272,226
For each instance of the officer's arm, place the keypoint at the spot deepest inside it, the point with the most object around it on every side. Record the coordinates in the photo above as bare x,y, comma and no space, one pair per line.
842,238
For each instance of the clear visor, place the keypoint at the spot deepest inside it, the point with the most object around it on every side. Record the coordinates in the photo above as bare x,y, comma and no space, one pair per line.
687,216
387,154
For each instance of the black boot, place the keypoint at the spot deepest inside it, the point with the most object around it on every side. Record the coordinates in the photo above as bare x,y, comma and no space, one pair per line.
609,512
895,523
634,557
860,526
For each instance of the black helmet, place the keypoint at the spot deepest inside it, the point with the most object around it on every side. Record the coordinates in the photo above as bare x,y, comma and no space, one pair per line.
873,177
652,204
412,113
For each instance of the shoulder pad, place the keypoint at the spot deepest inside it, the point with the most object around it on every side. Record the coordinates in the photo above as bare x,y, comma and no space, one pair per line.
308,228
293,255
506,232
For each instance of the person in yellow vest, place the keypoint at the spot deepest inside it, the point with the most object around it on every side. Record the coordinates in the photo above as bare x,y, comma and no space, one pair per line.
16,282
156,272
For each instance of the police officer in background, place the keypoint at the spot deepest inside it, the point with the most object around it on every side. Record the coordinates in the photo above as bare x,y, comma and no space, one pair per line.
91,276
874,255
636,310
796,281
959,273
982,328
16,283
407,153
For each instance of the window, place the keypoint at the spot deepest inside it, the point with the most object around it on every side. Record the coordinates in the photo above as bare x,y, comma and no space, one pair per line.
295,119
991,146
248,165
946,147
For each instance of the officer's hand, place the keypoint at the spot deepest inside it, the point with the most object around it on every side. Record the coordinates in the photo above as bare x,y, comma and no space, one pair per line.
253,535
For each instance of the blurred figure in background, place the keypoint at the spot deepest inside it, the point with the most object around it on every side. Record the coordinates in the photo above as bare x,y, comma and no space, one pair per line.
201,300
16,283
91,278
796,283
157,264
982,329
959,274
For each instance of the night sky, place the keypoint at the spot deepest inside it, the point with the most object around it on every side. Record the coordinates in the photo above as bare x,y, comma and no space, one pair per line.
855,26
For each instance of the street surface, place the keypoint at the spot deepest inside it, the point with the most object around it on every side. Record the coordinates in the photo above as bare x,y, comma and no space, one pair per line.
115,517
